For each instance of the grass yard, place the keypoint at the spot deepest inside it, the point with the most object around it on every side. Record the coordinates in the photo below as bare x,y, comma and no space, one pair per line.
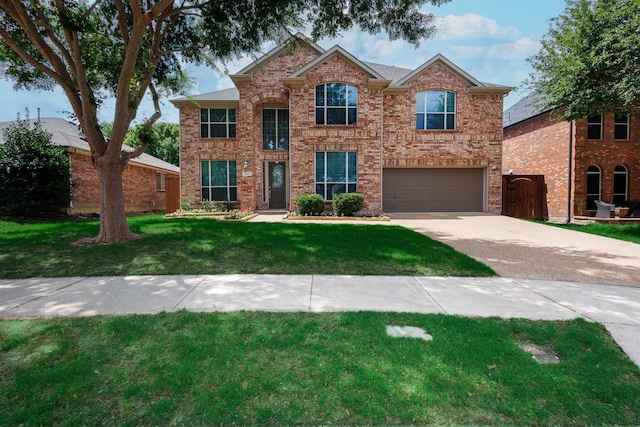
629,233
309,368
207,246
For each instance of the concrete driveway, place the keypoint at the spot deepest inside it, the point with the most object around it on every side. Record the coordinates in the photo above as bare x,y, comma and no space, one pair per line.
523,249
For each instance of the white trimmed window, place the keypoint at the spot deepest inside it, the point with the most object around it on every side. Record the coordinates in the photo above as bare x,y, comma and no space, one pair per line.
336,104
217,123
593,186
594,127
161,181
275,129
219,180
436,109
621,126
336,172
620,185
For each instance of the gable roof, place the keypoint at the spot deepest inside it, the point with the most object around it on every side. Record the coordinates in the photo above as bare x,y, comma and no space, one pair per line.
475,85
392,78
298,38
337,50
66,134
525,109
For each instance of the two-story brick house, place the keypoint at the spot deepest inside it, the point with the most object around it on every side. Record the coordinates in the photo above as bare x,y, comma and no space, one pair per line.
304,120
597,158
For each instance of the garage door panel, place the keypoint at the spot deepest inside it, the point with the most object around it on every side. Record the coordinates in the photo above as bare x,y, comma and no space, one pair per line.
433,190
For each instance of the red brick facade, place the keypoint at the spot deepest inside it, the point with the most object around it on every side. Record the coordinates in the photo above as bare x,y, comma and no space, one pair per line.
540,145
385,134
139,187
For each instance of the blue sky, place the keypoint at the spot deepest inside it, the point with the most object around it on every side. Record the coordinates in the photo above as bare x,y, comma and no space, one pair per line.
490,39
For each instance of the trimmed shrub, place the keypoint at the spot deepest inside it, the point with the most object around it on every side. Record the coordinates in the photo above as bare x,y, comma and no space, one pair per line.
309,204
347,204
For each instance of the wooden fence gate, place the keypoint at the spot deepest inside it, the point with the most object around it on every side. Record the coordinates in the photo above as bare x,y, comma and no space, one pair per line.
172,186
524,196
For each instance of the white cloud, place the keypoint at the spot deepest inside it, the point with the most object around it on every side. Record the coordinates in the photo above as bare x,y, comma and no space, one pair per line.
473,26
516,50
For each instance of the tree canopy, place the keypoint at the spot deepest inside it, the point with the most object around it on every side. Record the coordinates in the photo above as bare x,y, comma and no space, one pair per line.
126,49
590,59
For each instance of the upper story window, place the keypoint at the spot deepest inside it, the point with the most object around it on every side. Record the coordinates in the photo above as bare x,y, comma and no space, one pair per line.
621,126
436,109
217,123
336,104
275,129
594,127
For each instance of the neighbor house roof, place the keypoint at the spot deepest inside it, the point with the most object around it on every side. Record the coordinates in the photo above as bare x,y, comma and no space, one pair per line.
67,134
525,109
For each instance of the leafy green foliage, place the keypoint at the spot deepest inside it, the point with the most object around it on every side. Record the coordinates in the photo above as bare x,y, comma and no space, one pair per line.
588,63
248,368
163,138
35,175
347,204
309,204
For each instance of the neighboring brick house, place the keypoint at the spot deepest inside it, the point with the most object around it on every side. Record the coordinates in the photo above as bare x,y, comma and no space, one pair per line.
144,179
604,163
305,120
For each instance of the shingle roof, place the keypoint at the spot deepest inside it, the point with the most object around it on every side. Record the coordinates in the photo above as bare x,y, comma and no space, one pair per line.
388,71
231,94
526,108
66,134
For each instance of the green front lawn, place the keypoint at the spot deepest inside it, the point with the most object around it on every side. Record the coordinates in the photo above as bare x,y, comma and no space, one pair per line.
629,233
310,369
206,246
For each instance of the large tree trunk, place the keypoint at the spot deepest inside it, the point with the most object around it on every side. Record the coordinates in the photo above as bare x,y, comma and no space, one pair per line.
113,220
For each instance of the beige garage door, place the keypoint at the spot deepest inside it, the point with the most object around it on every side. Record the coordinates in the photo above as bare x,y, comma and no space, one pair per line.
433,190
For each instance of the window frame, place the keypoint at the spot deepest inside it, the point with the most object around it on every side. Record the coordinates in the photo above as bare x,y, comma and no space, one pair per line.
229,125
591,196
448,112
620,170
618,124
278,128
231,185
323,105
351,177
161,181
591,123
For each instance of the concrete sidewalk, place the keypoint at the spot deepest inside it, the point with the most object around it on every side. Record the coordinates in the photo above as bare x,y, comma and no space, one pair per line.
616,307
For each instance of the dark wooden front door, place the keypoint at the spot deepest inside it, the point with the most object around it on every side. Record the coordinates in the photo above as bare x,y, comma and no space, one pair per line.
277,185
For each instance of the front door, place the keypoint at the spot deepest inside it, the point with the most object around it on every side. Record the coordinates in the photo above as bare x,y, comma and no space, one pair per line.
277,186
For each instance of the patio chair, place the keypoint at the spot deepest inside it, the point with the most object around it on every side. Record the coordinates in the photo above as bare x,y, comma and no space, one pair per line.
605,210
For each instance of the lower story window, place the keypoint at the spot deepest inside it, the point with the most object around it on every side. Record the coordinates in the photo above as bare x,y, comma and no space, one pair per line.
161,181
593,187
219,180
336,172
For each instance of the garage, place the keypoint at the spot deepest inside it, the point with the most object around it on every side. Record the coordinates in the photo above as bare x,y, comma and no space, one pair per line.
433,190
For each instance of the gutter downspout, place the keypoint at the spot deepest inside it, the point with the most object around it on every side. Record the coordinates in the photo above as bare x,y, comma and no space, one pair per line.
381,145
570,174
